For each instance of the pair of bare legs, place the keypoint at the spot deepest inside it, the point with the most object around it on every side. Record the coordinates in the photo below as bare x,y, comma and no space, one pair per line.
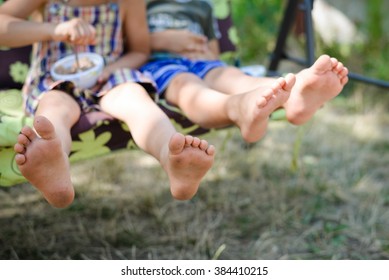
42,155
42,152
218,101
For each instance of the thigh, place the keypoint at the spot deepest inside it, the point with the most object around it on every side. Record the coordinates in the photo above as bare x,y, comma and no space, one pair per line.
163,71
125,100
183,85
231,80
59,107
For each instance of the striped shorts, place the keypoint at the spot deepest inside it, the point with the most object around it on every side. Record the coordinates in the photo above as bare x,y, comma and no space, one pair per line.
87,99
164,70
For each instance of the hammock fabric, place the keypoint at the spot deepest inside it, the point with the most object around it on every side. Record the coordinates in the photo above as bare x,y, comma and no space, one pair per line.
96,133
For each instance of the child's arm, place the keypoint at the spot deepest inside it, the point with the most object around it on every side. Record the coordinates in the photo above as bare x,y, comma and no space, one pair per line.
136,38
185,43
17,31
177,41
210,52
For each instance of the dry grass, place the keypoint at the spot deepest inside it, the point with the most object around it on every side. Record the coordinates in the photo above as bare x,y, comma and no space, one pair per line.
315,192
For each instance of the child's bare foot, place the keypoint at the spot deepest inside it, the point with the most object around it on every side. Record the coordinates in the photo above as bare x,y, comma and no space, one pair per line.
316,85
187,162
43,163
250,111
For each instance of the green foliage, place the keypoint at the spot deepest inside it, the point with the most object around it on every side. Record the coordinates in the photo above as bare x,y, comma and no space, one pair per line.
222,9
375,21
258,23
371,56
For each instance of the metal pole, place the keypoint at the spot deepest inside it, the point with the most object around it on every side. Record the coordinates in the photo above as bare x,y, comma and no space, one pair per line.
309,33
287,22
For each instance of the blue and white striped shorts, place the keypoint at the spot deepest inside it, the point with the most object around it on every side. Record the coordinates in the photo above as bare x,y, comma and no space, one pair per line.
164,70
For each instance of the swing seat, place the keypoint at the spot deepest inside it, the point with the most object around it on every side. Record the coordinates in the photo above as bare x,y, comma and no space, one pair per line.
96,133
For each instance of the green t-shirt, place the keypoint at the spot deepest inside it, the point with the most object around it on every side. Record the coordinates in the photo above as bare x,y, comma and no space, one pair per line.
194,15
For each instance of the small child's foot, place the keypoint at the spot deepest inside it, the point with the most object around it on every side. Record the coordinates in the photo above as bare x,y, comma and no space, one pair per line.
188,160
43,163
315,85
250,111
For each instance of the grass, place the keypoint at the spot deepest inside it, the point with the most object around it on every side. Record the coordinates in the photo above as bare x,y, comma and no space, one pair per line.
315,192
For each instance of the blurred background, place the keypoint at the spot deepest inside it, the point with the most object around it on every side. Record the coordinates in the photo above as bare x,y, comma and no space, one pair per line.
354,31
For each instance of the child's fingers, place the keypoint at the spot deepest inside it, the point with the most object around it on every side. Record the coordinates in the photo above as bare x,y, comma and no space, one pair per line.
83,35
76,31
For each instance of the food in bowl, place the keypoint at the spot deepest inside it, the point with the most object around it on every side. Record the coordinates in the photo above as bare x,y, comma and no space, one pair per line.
84,64
91,66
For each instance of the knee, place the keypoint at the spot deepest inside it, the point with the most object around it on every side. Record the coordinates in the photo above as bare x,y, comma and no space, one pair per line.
61,102
180,81
126,95
221,74
128,88
57,98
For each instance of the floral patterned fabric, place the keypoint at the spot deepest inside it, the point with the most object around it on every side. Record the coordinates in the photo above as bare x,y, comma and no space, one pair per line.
96,133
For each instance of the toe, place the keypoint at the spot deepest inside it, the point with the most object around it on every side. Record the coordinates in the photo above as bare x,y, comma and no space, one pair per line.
339,68
211,150
20,159
189,140
203,145
268,93
29,133
176,144
23,140
290,80
281,82
343,72
344,80
323,63
44,127
334,62
196,142
19,148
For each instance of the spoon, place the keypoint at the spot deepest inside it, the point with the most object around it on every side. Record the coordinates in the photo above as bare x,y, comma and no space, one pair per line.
75,51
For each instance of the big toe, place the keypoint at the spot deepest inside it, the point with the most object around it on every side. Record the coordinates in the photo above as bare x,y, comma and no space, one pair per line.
44,127
323,63
290,80
177,143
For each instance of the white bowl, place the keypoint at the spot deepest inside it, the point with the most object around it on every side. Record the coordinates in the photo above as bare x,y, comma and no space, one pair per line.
83,79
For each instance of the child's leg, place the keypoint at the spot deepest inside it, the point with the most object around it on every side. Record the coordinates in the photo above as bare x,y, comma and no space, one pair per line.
231,80
315,85
42,154
185,159
210,108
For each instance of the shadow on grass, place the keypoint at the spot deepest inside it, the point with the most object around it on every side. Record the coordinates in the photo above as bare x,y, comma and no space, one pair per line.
251,205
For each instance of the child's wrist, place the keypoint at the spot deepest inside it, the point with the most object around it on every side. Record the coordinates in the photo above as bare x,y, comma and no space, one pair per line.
49,32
